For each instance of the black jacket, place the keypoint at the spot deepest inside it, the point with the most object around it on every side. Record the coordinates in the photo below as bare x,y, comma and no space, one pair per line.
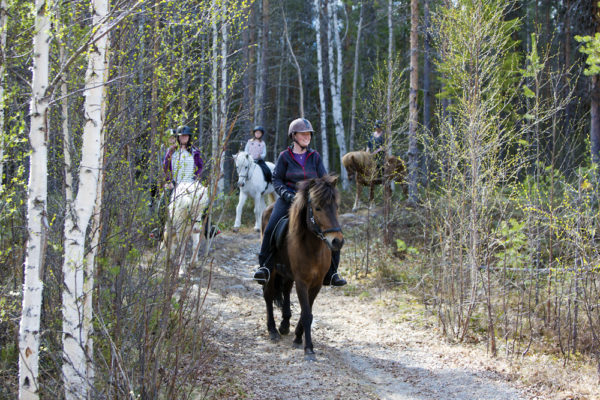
288,172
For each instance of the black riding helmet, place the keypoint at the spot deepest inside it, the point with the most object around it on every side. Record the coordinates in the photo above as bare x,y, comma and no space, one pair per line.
378,124
184,130
258,128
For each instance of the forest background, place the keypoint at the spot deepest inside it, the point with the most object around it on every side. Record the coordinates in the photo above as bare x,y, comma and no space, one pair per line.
493,105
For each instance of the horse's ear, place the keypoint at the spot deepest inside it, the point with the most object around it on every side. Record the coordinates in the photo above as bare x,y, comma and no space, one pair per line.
333,180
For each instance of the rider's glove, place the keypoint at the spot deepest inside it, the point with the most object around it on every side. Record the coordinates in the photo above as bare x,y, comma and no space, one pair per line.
288,196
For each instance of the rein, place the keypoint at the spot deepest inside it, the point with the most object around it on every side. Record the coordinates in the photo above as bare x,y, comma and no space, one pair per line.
314,226
247,172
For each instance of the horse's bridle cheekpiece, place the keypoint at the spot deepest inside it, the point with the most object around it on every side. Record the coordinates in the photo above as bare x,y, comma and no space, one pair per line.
315,228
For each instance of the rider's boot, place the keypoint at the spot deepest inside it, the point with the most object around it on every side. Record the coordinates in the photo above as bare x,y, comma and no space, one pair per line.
332,278
263,273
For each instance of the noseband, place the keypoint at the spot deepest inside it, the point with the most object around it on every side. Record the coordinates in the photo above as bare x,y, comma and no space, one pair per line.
247,172
314,226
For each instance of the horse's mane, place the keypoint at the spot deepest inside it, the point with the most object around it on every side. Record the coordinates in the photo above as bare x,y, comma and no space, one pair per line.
322,191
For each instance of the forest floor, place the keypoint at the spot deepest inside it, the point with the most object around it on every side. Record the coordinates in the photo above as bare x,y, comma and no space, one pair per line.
373,344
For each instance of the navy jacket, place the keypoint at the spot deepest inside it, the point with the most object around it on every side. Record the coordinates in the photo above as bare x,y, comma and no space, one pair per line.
288,172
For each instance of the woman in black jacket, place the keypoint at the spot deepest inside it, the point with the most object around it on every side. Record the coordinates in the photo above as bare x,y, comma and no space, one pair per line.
296,163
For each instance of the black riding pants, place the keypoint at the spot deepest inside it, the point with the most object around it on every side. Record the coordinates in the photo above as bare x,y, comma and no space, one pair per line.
280,210
265,168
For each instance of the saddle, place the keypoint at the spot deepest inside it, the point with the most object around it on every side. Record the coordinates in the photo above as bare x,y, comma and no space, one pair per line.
279,233
265,170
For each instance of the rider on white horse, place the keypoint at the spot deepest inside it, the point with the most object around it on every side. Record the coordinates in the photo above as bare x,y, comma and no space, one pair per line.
257,149
183,163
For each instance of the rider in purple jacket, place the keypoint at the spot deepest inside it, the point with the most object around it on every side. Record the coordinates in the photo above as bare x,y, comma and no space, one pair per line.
187,166
297,163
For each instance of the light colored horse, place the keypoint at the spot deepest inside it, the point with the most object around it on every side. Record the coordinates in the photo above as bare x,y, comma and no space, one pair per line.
362,166
251,182
188,202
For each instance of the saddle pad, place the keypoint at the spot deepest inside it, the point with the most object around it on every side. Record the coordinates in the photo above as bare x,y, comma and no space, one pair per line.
279,233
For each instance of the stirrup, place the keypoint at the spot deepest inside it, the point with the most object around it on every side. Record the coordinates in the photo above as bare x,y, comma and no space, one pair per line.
341,280
262,281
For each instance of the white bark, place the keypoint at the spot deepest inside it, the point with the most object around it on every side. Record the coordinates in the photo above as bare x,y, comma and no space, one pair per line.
323,133
355,79
224,85
3,27
65,123
333,37
29,328
413,161
214,83
77,293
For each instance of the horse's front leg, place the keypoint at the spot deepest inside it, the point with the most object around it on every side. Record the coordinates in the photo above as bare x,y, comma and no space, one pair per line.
269,295
238,211
286,309
356,200
305,322
259,207
371,194
196,241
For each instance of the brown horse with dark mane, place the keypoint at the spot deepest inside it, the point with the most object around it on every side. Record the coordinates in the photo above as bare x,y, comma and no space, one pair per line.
362,165
303,256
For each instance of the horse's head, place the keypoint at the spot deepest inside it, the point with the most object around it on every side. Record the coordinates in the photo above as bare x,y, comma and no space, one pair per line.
320,198
243,162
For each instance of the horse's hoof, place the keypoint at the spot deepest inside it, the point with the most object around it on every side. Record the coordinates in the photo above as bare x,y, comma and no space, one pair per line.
284,329
310,356
256,229
297,345
275,337
235,229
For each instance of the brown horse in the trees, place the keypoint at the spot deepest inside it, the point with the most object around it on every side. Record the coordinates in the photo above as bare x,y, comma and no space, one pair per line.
363,167
303,256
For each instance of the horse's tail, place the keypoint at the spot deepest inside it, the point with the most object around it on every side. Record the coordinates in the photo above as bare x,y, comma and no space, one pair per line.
278,291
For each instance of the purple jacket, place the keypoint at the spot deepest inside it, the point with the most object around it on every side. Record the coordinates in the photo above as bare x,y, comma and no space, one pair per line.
288,172
167,167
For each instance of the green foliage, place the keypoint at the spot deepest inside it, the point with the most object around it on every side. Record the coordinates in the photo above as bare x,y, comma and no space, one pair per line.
372,104
591,48
513,241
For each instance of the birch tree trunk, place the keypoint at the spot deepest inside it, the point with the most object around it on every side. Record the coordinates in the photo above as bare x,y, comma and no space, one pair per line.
64,104
3,26
426,68
413,156
298,70
261,64
387,193
323,119
78,279
29,328
214,85
278,103
355,79
224,85
335,86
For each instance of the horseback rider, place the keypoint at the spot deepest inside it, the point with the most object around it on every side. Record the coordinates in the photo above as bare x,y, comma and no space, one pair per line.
296,163
257,149
376,146
183,161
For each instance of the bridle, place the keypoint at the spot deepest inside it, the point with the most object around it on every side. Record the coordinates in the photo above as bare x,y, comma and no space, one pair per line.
248,168
313,225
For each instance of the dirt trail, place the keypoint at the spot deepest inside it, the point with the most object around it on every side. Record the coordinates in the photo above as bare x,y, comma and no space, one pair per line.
367,348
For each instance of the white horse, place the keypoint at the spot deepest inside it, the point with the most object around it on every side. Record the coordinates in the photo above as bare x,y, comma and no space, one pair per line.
252,183
188,202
